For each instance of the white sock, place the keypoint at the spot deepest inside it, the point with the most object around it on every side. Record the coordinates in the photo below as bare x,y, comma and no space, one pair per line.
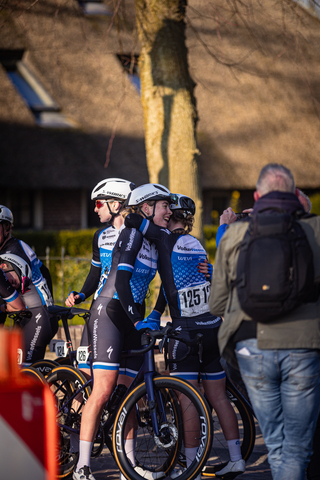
234,450
84,454
190,456
129,448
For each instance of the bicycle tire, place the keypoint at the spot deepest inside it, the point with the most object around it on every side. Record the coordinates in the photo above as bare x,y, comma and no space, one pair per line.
33,373
64,381
154,458
219,456
45,366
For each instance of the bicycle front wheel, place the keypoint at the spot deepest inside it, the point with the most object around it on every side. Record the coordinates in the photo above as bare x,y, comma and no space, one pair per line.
71,393
180,410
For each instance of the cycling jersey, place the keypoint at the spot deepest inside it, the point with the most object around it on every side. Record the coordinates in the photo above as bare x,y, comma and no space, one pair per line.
120,302
20,248
103,243
186,290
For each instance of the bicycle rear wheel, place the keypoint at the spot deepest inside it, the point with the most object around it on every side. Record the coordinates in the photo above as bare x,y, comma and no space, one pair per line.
71,394
219,455
45,366
157,455
33,373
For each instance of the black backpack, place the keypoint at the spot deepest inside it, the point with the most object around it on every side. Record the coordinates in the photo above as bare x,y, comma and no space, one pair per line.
275,271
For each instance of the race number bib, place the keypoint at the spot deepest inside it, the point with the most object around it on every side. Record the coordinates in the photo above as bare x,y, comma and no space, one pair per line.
83,354
194,300
59,347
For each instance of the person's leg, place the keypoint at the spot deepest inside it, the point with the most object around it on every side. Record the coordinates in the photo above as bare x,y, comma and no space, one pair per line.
300,397
261,374
313,470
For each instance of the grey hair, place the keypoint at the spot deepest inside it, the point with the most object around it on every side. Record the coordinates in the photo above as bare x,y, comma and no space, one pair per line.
275,177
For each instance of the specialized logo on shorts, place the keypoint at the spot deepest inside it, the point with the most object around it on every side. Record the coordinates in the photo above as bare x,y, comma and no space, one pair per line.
100,308
130,310
38,317
109,351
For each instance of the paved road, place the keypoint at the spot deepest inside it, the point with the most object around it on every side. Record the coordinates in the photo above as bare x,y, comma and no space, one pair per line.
104,466
257,467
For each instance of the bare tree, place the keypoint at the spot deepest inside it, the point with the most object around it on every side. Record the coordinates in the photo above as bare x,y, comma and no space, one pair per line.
168,100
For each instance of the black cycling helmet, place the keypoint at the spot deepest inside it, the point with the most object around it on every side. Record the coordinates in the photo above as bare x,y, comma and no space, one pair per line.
181,202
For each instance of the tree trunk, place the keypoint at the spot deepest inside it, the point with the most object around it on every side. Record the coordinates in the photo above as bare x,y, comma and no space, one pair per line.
167,94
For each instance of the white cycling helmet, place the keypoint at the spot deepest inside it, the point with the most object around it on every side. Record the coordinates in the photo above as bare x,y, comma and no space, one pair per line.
147,192
116,188
20,266
181,202
6,215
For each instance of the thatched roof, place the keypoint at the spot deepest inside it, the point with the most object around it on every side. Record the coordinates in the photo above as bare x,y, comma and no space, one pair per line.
264,108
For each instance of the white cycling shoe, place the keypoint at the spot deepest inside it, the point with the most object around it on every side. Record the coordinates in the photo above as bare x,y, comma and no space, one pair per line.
235,468
149,475
176,473
84,473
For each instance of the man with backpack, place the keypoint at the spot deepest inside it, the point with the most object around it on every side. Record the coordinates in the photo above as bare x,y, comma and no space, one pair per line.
265,285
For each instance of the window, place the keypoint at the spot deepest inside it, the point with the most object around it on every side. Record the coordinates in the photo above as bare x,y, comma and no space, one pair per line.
130,66
46,111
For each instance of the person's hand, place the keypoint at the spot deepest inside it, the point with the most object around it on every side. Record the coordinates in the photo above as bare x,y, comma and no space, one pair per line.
74,298
143,325
228,216
155,317
206,268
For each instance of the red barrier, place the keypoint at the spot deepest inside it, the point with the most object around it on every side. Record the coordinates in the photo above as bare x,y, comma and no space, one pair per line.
28,430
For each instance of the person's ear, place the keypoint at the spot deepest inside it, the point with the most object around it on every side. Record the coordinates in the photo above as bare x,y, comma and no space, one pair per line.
256,195
146,209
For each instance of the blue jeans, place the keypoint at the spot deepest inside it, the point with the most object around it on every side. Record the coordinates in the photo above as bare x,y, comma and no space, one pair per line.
284,389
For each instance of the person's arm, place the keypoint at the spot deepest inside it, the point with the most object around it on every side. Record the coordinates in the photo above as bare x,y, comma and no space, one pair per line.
92,281
131,242
219,291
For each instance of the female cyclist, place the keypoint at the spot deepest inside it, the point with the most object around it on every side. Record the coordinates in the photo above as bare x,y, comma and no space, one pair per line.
117,313
109,196
187,290
39,329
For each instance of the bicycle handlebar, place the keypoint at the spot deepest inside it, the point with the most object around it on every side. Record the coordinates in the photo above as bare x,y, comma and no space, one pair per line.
151,336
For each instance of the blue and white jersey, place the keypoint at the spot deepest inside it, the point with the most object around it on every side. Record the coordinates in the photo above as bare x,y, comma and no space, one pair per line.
192,287
186,290
37,278
104,242
143,269
20,248
134,265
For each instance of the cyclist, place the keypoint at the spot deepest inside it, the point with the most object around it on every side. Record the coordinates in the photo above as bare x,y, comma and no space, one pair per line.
109,196
9,295
8,244
117,310
186,289
39,329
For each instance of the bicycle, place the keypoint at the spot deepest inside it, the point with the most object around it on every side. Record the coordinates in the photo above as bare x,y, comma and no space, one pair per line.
65,353
155,403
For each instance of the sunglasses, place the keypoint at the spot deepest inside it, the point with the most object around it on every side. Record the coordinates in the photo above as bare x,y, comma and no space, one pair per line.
100,203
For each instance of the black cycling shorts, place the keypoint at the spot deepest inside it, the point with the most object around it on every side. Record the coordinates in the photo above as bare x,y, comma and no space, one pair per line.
111,332
190,368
